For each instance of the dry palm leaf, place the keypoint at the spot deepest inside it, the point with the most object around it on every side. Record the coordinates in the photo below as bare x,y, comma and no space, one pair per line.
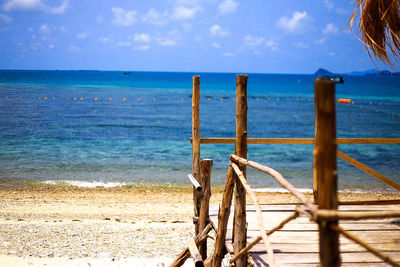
379,25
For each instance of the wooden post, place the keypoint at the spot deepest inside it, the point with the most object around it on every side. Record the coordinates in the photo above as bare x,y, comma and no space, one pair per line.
196,147
223,217
240,224
206,166
325,168
194,252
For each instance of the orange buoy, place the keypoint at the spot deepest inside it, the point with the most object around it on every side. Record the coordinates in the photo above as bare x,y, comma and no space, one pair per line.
344,100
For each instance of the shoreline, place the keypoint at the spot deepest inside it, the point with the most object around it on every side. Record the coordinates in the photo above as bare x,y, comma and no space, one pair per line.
119,226
159,186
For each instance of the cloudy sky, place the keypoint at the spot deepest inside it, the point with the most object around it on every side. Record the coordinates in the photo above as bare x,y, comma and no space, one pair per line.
259,36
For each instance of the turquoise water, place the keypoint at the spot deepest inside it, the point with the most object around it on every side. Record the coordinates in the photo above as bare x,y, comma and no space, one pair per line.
100,126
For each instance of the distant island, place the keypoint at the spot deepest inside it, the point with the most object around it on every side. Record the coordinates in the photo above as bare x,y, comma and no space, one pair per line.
372,72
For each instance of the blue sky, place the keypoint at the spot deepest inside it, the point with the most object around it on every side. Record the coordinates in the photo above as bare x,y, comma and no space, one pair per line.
259,36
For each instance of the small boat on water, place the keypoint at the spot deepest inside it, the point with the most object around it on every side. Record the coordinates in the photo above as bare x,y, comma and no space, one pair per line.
335,78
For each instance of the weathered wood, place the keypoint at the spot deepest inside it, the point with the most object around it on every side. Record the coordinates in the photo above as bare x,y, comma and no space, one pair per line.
185,254
371,249
206,166
260,221
240,224
333,215
304,141
194,252
278,177
196,146
371,202
368,170
195,183
325,168
223,217
298,240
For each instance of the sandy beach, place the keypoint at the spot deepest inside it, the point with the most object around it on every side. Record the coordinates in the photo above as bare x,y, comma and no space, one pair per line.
143,225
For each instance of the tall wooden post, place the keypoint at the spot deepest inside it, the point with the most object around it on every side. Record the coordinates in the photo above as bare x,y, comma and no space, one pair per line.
240,224
325,168
206,166
196,147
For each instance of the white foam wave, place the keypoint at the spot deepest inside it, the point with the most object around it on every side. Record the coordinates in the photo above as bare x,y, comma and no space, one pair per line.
92,184
279,190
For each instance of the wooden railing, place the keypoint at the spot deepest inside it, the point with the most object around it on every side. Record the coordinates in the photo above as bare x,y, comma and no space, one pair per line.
324,209
306,208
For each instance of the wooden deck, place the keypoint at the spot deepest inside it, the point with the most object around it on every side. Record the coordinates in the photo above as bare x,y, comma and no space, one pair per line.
297,243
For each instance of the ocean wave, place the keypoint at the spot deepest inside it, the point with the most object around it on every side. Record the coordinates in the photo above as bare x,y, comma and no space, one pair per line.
88,184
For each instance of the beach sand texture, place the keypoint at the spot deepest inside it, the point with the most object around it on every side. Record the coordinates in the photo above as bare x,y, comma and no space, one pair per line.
136,226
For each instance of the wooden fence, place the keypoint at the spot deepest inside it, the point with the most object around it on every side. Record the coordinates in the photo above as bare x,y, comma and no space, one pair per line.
324,209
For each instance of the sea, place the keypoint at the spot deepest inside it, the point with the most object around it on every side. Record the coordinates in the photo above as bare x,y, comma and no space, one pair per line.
110,128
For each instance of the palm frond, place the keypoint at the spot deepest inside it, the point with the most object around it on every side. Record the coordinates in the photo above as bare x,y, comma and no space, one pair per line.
379,27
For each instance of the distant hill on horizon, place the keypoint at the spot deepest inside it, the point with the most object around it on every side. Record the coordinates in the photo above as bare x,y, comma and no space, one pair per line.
371,72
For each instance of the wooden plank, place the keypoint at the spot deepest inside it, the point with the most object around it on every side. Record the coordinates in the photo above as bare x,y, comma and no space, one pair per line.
222,220
196,146
368,170
384,235
325,168
206,166
296,258
306,141
313,247
373,237
260,220
240,223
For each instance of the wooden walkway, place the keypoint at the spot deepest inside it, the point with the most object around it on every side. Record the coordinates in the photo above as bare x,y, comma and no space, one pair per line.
297,243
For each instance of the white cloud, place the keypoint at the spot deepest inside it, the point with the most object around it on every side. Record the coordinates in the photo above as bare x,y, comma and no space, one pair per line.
50,46
302,45
328,4
155,18
45,29
216,30
141,47
5,18
164,41
321,40
227,7
295,23
253,41
124,43
34,5
63,29
23,5
105,39
330,28
271,44
331,54
185,13
123,17
142,38
58,10
73,48
228,54
82,35
216,45
187,27
342,11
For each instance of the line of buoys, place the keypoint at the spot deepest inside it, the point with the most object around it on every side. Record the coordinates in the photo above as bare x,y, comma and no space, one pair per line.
347,101
344,101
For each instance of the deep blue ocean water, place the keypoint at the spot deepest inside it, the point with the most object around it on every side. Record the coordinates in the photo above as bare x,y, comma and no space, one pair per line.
104,126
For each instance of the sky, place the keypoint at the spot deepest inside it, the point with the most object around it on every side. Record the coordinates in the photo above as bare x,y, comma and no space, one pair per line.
253,36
